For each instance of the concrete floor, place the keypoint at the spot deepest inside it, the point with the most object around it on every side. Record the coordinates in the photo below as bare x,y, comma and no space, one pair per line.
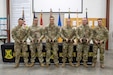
7,68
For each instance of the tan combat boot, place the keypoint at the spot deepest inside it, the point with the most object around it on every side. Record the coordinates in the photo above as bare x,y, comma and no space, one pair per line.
63,64
17,65
42,65
102,65
85,64
78,64
93,64
71,64
47,65
57,65
31,65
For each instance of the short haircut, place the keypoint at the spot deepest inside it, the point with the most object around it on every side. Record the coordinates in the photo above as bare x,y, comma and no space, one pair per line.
20,19
51,17
35,18
99,19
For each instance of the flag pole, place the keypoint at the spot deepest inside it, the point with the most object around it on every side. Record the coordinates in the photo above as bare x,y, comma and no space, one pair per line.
50,12
77,19
41,21
86,15
69,14
59,19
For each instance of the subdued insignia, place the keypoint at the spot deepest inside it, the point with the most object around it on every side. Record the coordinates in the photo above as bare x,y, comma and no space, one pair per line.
8,54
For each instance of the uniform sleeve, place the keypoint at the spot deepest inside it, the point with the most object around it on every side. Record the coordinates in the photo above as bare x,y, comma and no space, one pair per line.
46,33
62,33
105,34
77,33
14,34
73,36
91,34
29,34
42,33
58,33
94,34
25,38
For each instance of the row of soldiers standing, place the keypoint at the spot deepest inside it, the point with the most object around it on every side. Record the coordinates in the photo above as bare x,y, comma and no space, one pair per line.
83,34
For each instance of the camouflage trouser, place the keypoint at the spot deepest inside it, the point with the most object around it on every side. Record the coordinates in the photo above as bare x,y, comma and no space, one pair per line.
82,49
17,48
95,50
67,51
33,48
54,47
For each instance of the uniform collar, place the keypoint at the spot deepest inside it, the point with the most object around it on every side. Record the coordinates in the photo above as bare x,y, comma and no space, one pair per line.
52,25
19,26
34,25
68,26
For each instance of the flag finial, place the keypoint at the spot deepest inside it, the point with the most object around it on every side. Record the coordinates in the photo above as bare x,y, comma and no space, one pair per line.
69,9
23,8
41,11
86,9
59,9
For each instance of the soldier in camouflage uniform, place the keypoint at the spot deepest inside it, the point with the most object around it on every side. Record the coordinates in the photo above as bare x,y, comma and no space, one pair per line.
51,36
19,34
35,36
84,35
68,34
100,36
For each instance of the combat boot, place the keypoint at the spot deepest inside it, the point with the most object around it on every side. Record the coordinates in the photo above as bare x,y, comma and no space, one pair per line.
85,64
42,65
63,64
78,64
17,65
71,64
102,65
27,65
93,64
32,64
57,65
47,65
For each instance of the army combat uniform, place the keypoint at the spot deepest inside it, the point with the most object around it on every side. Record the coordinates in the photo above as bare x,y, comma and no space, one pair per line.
68,33
19,34
35,36
100,34
51,36
83,32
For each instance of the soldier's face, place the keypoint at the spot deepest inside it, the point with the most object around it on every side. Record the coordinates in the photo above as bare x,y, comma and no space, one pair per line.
51,21
20,22
35,21
68,22
99,22
84,21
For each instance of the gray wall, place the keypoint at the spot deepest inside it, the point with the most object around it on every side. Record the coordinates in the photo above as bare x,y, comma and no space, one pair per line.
111,26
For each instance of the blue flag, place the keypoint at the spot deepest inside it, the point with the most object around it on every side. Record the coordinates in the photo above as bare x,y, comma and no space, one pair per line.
59,21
